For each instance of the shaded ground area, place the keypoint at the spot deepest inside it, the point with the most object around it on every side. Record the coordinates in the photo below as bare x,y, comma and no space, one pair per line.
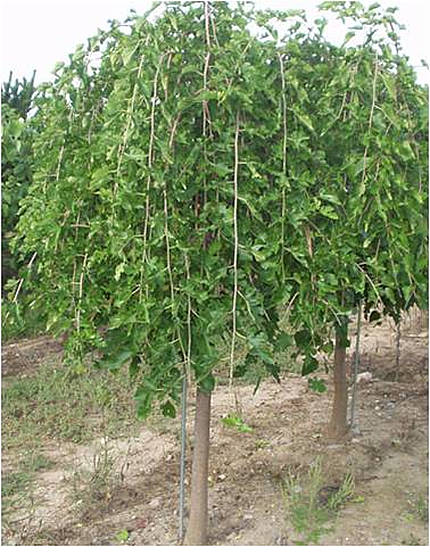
125,490
24,357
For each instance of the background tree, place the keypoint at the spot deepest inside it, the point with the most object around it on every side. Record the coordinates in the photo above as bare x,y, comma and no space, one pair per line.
16,100
365,225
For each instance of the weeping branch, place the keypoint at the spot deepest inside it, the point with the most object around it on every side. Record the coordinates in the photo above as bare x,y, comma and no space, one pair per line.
130,109
185,381
166,235
148,181
372,110
284,162
236,246
81,292
21,281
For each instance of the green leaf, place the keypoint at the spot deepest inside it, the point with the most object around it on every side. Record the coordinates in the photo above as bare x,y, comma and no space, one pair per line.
333,198
235,421
134,367
304,119
348,37
284,341
207,384
119,270
115,361
168,409
244,428
100,175
327,347
406,151
310,364
317,385
122,536
329,212
143,409
261,349
128,53
303,338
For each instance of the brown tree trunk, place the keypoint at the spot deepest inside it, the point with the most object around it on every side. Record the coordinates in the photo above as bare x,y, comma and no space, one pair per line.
338,425
196,534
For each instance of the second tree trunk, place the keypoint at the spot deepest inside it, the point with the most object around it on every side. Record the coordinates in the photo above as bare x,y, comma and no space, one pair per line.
338,425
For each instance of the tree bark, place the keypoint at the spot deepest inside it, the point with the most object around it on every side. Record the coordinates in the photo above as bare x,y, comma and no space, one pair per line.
338,425
196,534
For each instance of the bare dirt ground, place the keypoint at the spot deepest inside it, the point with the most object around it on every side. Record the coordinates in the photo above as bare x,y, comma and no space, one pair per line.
23,357
388,459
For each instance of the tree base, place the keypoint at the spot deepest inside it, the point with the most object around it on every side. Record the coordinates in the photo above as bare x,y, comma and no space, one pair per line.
196,534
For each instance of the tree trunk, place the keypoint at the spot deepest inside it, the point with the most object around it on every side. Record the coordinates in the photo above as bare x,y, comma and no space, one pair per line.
338,425
198,522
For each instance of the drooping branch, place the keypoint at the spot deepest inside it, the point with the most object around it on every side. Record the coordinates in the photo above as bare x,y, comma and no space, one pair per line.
168,258
236,245
130,110
81,292
148,180
372,110
21,281
284,162
186,381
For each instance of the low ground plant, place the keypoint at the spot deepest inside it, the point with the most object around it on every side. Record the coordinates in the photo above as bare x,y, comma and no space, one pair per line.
73,408
92,490
311,504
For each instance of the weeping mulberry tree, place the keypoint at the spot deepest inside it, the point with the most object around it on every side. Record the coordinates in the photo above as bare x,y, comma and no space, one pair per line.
192,180
362,208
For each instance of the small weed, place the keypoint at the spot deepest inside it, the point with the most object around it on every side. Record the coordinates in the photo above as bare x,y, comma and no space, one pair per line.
234,421
317,385
357,500
262,444
95,489
122,536
343,495
422,508
412,540
418,509
17,495
14,483
301,498
17,487
34,461
311,505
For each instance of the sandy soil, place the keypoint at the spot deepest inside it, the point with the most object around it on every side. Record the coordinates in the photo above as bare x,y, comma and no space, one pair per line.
388,458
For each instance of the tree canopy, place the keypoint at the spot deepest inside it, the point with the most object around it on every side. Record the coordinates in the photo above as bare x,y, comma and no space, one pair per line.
197,172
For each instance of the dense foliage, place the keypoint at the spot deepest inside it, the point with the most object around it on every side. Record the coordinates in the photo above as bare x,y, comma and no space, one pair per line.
195,176
16,103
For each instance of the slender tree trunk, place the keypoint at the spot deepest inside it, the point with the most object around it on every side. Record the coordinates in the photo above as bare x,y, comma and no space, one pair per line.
338,425
398,337
198,522
353,421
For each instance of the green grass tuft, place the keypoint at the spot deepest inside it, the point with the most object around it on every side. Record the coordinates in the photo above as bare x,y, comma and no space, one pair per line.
58,405
311,505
